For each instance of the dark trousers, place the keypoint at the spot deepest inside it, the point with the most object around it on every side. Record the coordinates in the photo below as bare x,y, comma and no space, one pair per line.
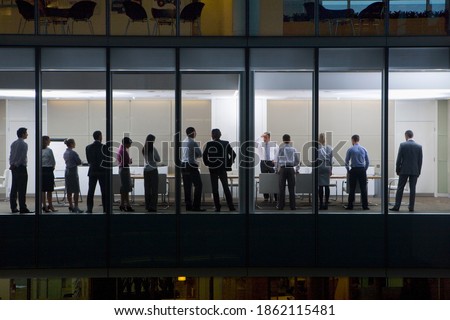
327,194
223,177
403,178
151,189
357,175
286,174
101,178
18,188
191,176
267,166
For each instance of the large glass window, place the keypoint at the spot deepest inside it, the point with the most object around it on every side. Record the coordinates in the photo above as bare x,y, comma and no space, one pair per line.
423,17
144,110
17,108
211,100
419,91
283,110
73,108
350,106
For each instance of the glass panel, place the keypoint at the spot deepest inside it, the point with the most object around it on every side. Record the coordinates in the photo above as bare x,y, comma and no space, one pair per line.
80,96
144,105
283,114
211,100
350,109
17,108
419,101
16,17
280,18
283,100
418,17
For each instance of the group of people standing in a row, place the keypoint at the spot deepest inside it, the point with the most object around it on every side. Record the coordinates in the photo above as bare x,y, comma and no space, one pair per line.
218,156
285,159
96,155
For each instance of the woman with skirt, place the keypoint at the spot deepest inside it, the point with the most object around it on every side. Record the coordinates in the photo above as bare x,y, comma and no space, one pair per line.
72,160
48,177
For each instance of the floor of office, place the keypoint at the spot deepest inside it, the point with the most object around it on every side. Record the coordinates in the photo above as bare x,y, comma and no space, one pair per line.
424,205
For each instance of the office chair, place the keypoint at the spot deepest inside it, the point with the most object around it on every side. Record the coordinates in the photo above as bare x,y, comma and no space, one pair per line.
26,10
191,13
164,17
82,11
135,13
372,14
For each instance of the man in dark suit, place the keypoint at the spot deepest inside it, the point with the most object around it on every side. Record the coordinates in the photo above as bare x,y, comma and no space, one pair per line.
96,155
408,167
219,157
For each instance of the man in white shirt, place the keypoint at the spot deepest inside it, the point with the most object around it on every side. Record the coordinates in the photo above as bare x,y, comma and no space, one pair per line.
267,151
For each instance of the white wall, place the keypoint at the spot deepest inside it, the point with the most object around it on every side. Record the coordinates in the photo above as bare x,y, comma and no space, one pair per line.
20,113
420,117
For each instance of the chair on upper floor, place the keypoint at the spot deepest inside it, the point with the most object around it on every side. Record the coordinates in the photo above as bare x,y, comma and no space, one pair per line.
192,13
164,17
135,13
371,16
334,18
26,10
82,11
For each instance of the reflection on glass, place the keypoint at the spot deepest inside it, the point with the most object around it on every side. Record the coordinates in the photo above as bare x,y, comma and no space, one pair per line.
196,18
419,102
18,164
418,17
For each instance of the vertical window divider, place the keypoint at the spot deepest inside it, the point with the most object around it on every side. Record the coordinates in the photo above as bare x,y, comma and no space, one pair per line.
38,143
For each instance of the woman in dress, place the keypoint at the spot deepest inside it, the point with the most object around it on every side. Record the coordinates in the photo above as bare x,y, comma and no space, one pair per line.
325,162
151,158
48,177
124,160
72,160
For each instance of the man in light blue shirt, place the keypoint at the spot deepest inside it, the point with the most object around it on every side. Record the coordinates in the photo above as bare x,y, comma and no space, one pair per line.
18,166
357,163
